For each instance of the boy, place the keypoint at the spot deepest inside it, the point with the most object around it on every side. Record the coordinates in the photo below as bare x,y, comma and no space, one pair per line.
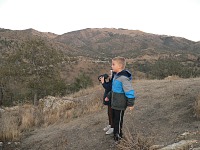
122,94
108,87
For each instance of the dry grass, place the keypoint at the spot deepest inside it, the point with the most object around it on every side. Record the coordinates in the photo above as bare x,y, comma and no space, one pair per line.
9,128
134,141
84,92
16,120
197,107
173,77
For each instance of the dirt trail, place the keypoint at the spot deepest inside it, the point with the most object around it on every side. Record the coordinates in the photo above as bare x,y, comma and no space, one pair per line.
163,111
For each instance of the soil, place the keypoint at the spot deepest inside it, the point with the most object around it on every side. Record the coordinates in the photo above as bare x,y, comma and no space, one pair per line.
164,109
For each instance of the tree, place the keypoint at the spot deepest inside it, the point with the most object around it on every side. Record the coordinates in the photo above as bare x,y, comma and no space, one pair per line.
32,71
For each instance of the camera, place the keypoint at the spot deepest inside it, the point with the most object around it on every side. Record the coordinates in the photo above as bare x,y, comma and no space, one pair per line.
103,75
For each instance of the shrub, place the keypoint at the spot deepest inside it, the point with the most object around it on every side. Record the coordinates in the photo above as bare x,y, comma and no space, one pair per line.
9,128
134,141
31,71
81,82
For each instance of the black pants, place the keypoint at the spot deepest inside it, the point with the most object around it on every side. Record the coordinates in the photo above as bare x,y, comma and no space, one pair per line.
110,118
118,122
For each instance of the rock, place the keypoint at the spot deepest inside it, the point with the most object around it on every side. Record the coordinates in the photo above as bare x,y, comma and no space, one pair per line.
196,148
14,108
53,103
1,110
182,145
155,147
17,143
183,136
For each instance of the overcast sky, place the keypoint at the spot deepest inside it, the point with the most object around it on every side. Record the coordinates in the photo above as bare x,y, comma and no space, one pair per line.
168,17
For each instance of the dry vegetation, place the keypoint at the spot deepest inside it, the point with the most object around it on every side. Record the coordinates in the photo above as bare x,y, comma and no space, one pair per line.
134,141
18,119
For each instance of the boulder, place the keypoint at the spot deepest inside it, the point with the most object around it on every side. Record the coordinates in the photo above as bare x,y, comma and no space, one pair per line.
56,103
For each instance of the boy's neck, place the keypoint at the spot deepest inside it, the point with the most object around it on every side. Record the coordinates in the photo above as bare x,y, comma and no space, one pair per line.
119,70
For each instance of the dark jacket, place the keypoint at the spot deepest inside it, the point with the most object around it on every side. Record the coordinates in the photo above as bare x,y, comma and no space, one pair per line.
123,94
108,87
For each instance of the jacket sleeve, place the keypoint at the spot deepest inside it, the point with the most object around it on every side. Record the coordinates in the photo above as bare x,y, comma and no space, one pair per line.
129,92
107,85
109,95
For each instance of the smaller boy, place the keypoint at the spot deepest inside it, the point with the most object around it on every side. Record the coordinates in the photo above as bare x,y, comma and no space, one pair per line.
107,84
122,95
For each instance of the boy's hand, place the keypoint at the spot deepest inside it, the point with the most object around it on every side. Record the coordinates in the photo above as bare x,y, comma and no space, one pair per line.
102,79
106,99
131,108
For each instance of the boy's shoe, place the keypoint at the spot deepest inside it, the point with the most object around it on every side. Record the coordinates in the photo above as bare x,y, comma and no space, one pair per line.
107,128
117,137
110,131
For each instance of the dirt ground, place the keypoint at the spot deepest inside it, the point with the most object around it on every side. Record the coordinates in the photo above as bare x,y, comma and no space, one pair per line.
164,109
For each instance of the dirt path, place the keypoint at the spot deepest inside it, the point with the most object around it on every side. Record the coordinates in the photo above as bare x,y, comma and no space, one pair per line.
163,111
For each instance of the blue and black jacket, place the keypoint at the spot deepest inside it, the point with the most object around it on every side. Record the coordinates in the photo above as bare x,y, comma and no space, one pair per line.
123,94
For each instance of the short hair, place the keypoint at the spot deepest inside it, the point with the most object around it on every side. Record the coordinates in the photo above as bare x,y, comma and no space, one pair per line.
121,61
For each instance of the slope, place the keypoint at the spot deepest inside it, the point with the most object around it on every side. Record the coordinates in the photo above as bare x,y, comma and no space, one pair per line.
163,111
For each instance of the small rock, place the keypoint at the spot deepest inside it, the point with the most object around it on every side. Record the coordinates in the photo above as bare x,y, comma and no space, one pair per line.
17,143
2,110
155,147
183,136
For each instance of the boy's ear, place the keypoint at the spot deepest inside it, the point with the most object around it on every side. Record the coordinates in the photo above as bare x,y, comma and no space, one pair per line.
120,66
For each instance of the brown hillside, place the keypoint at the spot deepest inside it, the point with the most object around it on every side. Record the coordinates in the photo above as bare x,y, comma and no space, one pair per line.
24,34
129,43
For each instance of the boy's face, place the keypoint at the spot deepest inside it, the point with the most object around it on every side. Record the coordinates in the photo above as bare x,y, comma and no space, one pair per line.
116,67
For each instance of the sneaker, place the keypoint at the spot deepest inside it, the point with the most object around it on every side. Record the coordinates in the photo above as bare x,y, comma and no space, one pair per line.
110,131
107,128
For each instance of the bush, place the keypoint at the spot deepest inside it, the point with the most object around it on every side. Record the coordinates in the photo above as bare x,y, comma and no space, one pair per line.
32,71
134,141
167,67
81,82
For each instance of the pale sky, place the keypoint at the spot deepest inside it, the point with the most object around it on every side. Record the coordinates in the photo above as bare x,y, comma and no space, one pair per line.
165,17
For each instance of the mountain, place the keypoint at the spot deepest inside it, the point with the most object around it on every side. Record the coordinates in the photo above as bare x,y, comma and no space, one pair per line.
14,38
108,42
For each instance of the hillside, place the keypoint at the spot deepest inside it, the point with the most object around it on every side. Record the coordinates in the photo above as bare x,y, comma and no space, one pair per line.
108,42
25,34
163,111
27,56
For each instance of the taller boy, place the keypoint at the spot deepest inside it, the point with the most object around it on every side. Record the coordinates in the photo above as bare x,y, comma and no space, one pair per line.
122,94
